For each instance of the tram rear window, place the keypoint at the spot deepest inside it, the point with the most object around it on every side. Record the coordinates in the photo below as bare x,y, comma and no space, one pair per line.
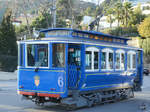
37,55
58,55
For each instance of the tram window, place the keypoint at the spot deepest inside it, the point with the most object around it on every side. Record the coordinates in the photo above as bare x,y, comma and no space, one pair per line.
122,61
103,61
117,60
134,61
37,55
95,60
92,58
74,56
107,59
58,55
88,60
110,61
129,61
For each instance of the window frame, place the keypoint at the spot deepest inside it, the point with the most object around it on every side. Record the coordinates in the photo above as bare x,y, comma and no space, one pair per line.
107,51
120,52
131,53
92,50
26,63
20,55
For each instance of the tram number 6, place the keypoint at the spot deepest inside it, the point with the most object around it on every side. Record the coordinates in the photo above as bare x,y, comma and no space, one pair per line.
60,81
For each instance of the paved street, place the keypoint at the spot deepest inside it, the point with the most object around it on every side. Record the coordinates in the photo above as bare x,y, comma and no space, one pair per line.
10,101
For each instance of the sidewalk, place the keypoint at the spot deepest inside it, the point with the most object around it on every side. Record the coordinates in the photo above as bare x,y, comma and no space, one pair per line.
8,76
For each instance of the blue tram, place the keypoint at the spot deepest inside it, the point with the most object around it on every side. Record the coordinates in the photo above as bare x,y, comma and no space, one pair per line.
78,68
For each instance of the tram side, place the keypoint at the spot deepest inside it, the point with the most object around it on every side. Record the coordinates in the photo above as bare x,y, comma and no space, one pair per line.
78,68
111,68
61,71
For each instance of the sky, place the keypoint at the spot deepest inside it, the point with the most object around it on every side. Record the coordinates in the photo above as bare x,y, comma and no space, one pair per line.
94,1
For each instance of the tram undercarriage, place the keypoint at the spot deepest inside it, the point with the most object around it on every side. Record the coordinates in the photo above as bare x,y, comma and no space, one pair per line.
78,100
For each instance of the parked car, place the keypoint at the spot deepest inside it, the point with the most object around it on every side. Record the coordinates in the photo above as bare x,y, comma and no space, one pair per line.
146,71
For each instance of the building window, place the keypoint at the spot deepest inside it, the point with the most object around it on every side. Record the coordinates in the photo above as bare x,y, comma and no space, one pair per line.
107,59
120,60
131,60
37,55
92,58
58,58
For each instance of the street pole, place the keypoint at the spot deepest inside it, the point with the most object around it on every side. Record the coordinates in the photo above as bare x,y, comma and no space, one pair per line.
54,14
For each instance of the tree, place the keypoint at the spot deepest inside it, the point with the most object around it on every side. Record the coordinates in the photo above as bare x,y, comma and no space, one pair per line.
118,12
136,17
144,31
8,44
110,18
127,12
42,21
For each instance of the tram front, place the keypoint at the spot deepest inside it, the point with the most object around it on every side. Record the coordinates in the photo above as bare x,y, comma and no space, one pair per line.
41,70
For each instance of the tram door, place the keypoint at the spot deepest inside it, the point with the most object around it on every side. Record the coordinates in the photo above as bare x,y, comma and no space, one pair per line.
74,64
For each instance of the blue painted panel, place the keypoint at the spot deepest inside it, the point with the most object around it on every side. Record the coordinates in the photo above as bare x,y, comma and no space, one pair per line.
50,81
100,79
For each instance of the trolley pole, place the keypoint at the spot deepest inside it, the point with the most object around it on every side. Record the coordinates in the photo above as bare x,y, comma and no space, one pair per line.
54,13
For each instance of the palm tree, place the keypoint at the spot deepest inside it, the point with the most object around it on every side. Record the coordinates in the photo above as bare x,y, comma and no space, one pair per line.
118,12
109,14
127,11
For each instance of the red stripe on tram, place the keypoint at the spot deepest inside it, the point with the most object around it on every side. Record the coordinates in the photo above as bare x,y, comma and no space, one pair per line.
26,93
49,95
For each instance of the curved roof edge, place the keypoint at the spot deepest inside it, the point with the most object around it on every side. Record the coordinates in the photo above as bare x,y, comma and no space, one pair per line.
84,31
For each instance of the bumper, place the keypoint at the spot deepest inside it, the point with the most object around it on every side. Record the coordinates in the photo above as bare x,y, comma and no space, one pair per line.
39,94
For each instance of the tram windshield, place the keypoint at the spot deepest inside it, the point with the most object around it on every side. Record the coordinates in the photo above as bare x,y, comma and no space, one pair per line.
37,55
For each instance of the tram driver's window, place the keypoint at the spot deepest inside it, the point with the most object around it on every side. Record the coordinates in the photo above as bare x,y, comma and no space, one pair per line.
37,55
58,58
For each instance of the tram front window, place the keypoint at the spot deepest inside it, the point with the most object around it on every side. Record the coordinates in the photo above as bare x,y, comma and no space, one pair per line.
58,55
37,55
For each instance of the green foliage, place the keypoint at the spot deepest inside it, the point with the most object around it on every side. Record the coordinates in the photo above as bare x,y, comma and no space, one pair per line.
90,11
120,31
144,28
8,63
110,18
8,44
144,31
137,17
42,21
